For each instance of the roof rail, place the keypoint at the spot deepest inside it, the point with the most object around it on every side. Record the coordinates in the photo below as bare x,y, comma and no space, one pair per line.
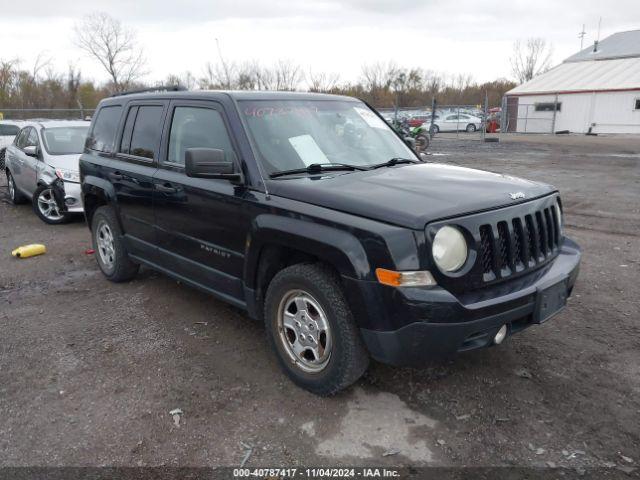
161,88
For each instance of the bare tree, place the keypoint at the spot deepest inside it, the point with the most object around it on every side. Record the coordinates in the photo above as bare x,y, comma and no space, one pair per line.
113,45
322,81
530,58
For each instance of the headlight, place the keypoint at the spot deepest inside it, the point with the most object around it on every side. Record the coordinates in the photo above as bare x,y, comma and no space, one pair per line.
68,175
449,249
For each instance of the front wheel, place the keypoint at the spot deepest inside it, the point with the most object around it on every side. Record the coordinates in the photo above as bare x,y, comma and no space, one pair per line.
46,207
435,129
109,248
471,128
311,329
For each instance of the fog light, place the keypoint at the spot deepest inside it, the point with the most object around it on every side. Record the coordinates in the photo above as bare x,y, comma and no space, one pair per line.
70,201
501,335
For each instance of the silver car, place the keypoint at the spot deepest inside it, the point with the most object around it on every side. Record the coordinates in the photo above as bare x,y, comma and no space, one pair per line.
42,166
8,131
454,122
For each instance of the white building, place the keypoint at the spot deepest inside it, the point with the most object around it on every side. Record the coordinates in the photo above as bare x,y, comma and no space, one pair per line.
597,88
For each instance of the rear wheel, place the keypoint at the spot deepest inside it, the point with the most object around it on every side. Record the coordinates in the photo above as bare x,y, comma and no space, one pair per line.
109,248
46,207
435,129
312,331
471,128
14,195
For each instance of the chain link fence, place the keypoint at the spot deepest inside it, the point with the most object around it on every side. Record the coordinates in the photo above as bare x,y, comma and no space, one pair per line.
46,113
469,122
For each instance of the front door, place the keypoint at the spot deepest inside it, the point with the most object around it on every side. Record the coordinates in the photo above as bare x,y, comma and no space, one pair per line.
31,164
201,223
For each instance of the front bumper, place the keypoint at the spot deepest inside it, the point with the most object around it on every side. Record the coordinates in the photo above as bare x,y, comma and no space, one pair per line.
73,197
408,326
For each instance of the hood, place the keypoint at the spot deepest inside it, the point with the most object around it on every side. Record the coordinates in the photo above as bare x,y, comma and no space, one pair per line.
409,195
67,162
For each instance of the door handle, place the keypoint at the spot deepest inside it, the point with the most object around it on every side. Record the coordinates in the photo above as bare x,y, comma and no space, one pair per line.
166,188
116,176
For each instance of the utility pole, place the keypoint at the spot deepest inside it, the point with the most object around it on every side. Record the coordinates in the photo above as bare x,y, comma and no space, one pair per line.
581,37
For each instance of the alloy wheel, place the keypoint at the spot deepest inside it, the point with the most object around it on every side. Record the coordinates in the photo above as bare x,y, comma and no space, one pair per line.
304,331
106,248
48,206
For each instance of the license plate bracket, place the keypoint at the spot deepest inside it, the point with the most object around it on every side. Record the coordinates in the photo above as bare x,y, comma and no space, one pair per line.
551,300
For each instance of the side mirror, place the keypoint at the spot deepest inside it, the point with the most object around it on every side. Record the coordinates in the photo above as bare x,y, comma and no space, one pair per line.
209,163
31,150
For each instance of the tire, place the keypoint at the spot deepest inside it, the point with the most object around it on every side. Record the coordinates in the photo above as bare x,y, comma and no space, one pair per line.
422,142
471,128
435,129
14,195
45,206
314,285
110,252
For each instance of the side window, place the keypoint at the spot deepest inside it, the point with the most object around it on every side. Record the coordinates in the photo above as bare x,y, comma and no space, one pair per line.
103,134
125,144
145,135
32,138
21,139
193,127
8,130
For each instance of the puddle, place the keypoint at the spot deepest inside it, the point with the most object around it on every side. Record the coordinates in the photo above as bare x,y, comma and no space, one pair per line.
375,424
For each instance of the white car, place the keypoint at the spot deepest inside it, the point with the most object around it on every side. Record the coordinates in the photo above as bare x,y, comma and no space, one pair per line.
454,122
8,131
42,165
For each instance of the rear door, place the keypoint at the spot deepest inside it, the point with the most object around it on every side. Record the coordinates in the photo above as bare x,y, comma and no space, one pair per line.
132,172
201,223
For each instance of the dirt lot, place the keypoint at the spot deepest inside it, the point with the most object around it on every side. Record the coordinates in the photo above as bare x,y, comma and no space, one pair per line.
89,370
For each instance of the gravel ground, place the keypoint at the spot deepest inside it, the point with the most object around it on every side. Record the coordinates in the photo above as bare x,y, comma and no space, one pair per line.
89,370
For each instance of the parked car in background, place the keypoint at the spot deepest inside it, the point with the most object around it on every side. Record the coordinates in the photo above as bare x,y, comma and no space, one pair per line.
418,120
454,123
8,130
42,167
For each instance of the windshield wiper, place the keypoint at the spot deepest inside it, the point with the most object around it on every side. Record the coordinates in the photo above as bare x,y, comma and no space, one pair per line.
394,161
317,168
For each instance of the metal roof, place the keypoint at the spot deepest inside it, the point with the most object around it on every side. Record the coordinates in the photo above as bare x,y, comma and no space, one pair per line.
615,66
618,45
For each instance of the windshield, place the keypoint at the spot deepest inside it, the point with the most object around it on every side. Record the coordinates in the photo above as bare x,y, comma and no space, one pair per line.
64,140
292,134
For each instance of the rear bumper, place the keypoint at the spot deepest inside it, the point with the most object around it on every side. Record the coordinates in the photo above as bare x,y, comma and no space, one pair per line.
433,323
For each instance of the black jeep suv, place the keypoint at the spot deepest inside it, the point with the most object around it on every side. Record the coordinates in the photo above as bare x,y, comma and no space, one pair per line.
314,216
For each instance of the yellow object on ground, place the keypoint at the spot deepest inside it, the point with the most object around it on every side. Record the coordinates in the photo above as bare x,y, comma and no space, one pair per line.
29,250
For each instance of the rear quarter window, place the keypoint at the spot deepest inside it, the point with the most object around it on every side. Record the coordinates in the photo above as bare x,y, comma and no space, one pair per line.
103,133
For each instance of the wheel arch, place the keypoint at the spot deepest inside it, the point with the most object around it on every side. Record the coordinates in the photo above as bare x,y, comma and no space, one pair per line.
96,192
277,242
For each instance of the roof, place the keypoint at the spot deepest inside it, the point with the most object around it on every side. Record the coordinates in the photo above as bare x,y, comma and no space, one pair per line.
618,45
234,94
615,66
620,74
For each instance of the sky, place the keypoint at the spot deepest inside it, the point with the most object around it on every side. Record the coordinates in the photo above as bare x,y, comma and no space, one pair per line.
449,36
